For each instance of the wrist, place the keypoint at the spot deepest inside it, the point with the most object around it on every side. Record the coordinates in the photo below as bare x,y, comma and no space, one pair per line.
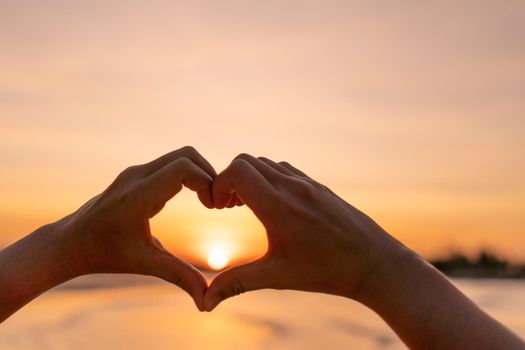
395,264
66,249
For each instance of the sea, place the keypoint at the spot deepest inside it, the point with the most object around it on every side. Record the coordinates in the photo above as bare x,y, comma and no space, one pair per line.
136,312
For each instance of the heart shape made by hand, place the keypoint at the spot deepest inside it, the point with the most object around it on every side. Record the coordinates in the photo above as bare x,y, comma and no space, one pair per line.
313,235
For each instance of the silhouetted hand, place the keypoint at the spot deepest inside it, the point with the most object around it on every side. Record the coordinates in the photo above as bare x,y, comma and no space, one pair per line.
315,239
318,242
112,230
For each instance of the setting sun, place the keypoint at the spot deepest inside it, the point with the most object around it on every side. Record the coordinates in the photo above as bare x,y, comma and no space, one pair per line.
218,258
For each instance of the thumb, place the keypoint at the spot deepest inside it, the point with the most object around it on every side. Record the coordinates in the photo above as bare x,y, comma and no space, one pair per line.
239,279
174,270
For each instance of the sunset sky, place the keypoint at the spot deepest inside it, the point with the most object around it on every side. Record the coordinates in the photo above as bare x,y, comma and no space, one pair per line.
412,111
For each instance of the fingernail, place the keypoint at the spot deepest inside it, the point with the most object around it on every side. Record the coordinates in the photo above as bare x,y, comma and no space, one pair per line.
211,303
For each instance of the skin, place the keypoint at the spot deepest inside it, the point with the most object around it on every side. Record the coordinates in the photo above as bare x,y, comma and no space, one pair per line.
317,242
109,234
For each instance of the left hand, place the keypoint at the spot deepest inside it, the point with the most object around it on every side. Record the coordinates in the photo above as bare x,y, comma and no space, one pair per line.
111,232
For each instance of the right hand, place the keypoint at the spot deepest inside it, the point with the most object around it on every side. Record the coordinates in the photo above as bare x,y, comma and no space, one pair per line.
316,241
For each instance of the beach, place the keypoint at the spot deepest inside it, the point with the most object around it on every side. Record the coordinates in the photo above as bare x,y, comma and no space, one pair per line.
132,312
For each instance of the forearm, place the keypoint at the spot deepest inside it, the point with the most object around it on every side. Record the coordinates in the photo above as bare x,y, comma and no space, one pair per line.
428,312
32,265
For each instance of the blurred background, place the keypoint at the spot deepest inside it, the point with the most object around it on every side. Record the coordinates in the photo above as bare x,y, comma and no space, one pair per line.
412,111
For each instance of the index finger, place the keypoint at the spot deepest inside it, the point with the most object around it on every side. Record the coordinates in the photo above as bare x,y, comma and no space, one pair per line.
161,186
252,188
186,152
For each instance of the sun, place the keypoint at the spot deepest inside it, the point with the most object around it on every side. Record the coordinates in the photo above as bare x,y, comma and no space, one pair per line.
218,258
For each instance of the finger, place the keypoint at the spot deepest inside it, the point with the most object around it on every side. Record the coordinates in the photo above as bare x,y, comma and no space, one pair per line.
238,201
235,201
161,186
293,169
250,186
271,174
186,152
236,280
232,202
178,272
277,166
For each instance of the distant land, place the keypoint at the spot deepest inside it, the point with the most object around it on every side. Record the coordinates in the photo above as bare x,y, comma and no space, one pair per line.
484,265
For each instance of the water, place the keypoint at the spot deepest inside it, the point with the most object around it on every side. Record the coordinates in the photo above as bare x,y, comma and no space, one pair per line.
125,312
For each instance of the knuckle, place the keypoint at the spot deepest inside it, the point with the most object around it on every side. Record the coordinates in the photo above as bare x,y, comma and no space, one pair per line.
306,189
128,173
284,163
239,165
244,156
183,163
188,150
236,286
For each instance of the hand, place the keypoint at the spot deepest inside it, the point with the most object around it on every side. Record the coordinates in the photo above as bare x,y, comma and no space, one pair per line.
316,240
111,232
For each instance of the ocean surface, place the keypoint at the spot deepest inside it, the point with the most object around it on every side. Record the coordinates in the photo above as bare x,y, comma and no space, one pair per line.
131,312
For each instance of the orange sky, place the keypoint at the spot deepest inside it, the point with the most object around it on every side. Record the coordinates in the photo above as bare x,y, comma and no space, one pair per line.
414,112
